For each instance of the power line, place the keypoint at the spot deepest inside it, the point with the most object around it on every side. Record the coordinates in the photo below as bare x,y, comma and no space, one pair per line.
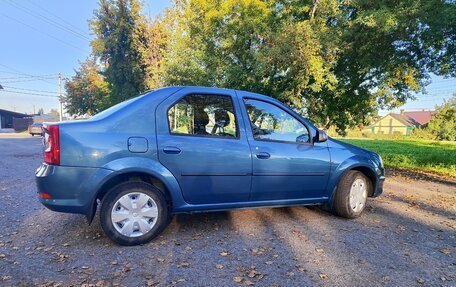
12,73
48,20
28,77
27,93
56,16
28,80
30,90
45,33
22,73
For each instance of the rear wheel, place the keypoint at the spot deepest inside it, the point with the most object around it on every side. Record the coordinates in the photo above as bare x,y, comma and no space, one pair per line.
351,194
134,213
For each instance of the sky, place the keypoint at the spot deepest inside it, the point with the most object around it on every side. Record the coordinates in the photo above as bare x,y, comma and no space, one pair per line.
39,39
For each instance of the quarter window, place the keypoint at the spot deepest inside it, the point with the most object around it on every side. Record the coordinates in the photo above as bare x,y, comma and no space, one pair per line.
270,122
203,115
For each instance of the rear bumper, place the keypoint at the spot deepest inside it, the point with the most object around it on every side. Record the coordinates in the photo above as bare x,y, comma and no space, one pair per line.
71,189
379,188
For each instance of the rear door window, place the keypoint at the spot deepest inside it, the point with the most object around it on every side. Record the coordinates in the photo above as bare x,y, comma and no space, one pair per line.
203,115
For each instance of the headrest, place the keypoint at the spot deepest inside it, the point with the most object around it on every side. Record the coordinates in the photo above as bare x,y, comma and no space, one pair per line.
222,119
201,118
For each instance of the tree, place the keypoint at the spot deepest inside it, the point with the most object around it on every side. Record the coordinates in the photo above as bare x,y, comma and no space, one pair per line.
120,41
443,124
338,62
158,35
54,112
87,91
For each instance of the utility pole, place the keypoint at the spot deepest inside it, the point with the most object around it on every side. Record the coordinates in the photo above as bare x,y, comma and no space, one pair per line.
60,98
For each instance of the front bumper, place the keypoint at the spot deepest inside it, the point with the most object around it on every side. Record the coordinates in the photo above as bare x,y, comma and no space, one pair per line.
71,189
379,187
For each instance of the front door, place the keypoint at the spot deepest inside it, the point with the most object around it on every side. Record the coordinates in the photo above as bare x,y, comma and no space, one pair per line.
203,143
286,164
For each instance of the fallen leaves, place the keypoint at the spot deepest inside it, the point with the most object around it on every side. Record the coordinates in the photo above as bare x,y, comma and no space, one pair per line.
183,264
301,268
5,277
151,282
249,283
60,257
252,273
238,279
126,268
323,276
224,253
258,251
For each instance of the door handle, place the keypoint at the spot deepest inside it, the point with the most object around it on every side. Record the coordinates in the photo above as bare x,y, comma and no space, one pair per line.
263,155
171,150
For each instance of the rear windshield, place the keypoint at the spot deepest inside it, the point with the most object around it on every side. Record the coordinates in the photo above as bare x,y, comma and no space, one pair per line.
115,108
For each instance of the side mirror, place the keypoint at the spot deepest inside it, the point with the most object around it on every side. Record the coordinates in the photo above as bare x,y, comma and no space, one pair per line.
322,136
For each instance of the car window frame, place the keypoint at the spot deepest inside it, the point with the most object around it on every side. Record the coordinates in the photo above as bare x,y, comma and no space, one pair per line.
238,133
311,142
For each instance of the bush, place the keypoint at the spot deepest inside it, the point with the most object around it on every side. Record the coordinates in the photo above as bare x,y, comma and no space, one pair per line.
443,125
422,133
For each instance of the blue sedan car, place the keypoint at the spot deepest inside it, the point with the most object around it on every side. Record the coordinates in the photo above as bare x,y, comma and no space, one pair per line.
193,149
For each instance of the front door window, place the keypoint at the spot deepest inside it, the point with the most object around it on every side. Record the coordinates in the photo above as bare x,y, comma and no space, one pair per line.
272,123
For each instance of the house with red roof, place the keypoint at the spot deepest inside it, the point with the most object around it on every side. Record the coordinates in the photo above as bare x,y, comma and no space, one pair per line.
402,123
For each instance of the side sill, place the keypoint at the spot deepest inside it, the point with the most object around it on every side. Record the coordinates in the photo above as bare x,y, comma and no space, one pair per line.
212,207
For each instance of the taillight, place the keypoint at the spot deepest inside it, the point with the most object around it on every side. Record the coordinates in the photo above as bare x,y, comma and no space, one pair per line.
51,145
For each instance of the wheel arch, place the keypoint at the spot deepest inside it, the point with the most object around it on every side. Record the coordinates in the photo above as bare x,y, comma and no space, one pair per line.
144,170
358,163
134,176
370,174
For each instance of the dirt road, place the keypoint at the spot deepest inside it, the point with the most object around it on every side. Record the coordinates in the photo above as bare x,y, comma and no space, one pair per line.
406,238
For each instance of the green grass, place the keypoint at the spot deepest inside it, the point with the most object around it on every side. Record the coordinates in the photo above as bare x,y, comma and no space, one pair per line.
428,156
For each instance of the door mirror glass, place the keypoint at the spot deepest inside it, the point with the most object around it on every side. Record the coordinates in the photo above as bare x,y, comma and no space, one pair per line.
322,136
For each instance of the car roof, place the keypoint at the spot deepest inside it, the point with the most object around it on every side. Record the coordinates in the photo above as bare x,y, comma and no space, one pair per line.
239,93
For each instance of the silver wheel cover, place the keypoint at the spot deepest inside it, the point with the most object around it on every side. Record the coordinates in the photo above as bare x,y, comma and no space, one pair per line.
358,194
134,214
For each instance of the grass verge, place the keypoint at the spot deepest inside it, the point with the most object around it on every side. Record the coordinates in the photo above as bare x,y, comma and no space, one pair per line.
421,155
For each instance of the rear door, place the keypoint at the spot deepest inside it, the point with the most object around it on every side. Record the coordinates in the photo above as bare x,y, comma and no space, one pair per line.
202,141
286,163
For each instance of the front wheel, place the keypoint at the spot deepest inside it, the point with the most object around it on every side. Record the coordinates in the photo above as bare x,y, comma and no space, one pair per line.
351,194
133,213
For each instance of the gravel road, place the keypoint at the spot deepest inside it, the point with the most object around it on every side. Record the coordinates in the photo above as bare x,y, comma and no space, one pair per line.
406,238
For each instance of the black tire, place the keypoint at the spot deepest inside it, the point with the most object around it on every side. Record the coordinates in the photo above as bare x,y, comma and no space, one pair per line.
341,203
128,187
